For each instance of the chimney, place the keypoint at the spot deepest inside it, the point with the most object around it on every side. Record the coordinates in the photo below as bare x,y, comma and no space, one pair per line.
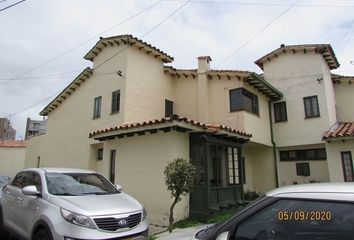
203,88
204,63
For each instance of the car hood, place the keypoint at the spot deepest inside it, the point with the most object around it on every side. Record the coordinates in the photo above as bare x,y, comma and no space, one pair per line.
97,205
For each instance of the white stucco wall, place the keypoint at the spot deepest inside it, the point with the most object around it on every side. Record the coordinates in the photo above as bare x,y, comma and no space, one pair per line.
12,160
140,164
334,149
186,95
344,99
295,75
318,168
147,87
260,163
66,142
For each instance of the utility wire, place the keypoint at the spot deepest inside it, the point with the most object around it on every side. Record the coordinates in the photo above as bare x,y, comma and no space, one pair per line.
87,41
37,103
344,38
261,4
3,1
256,35
148,32
12,5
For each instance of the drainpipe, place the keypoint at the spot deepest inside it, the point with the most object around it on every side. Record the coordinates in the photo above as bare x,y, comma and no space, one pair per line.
273,143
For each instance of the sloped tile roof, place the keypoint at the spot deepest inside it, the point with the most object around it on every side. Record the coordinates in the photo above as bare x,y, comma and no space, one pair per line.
76,83
173,119
324,49
128,40
340,130
12,143
252,78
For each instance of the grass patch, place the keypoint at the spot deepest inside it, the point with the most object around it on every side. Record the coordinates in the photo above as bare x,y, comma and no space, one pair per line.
215,218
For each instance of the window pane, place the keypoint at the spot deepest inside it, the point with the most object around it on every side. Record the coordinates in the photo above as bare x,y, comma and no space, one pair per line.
97,107
314,104
236,100
311,107
280,114
347,166
115,101
168,108
302,169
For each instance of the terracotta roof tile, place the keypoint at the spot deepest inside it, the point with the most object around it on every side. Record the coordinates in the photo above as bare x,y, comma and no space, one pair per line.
324,49
340,130
203,126
12,143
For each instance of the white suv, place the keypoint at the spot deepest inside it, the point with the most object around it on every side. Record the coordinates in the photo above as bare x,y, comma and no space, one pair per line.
69,204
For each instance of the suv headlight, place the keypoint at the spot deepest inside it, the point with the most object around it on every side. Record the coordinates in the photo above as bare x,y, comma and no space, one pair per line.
144,213
77,219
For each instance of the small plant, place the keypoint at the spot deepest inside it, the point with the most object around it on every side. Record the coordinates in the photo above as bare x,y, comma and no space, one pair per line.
152,237
250,195
180,176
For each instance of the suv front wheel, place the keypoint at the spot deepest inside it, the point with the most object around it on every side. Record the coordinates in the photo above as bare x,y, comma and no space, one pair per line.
42,234
3,233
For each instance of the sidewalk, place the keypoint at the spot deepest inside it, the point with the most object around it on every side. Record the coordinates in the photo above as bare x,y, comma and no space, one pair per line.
181,233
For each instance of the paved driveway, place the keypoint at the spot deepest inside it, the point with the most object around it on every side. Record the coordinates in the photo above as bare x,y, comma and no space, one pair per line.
181,234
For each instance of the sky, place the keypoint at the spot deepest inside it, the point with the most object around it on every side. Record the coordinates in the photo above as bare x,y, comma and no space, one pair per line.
42,43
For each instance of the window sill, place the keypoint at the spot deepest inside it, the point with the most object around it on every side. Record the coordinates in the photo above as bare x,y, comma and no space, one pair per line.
94,118
312,117
113,113
282,121
255,114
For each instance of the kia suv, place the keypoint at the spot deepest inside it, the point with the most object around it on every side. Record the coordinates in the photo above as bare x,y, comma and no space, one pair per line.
69,204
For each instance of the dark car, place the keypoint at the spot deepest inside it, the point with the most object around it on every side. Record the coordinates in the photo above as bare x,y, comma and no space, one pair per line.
301,212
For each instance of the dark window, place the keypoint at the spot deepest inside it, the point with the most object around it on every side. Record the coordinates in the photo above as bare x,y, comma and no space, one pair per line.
303,169
347,163
112,171
241,99
299,219
25,179
304,154
168,108
115,101
100,154
280,114
311,107
97,107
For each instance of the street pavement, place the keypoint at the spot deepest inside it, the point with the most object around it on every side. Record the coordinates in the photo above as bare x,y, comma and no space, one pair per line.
181,233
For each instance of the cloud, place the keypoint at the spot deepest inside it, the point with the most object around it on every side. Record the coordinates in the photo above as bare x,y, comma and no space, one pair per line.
38,30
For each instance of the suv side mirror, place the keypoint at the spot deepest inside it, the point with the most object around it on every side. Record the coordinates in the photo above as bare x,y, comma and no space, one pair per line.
30,190
223,236
119,187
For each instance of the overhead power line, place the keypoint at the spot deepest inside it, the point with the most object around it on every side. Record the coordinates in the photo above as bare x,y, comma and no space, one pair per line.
12,5
256,34
269,4
148,32
33,105
83,43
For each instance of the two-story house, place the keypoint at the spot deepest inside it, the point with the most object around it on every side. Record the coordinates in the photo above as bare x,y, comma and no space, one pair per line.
130,114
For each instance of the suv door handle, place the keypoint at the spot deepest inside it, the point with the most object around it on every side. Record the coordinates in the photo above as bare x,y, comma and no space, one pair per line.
7,193
18,199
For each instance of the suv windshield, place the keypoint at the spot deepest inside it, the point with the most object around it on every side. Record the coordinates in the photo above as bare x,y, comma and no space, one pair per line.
75,184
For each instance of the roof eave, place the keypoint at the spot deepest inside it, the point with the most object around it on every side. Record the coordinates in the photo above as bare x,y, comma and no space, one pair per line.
127,40
82,77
